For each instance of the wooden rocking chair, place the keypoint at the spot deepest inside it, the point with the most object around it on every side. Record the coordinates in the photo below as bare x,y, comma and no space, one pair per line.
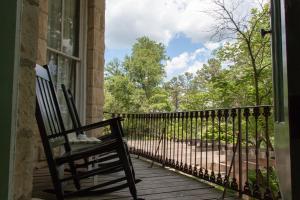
77,124
54,135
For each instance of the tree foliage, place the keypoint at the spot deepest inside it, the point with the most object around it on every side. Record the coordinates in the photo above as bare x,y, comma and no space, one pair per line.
145,64
238,74
134,84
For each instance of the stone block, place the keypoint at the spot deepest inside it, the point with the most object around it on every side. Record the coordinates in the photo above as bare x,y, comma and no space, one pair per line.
95,78
44,6
92,59
29,33
99,4
93,96
94,19
43,25
42,52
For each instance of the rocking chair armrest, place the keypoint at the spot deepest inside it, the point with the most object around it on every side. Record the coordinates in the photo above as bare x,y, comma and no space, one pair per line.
93,126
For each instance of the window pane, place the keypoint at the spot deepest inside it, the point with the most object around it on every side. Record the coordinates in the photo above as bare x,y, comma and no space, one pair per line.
54,24
71,27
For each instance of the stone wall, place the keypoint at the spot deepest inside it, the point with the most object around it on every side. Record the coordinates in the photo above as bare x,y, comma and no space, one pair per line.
95,61
26,129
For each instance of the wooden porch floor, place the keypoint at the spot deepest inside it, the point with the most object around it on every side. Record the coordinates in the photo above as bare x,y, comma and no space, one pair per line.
157,183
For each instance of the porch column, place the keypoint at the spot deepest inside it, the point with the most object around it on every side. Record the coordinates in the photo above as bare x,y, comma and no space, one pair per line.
95,61
9,53
26,123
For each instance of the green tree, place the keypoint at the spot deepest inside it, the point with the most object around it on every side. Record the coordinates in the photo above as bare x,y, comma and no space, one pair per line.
134,85
145,65
249,51
119,91
174,89
160,101
114,68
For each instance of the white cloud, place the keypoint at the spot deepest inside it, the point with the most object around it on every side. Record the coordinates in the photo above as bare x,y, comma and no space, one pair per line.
195,66
179,62
212,45
127,20
161,20
187,62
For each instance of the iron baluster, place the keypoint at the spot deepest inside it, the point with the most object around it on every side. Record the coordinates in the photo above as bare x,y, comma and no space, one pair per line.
186,142
195,172
212,176
219,178
174,137
266,114
234,184
182,127
226,178
256,189
247,184
136,134
159,139
168,140
164,137
206,175
138,121
126,127
178,120
201,174
151,136
155,136
191,143
131,132
143,134
148,123
240,152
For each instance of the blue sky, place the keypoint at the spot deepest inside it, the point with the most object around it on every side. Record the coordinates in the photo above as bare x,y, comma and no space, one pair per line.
181,43
184,54
181,25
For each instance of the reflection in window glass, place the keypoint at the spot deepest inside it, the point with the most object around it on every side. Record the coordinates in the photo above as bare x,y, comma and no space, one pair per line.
54,24
62,72
63,36
70,31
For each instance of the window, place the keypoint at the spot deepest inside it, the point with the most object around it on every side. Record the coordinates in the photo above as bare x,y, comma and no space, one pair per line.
63,46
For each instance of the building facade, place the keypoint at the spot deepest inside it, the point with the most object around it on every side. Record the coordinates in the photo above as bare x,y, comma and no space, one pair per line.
68,35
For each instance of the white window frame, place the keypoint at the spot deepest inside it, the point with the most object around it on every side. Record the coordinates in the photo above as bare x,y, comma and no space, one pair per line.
80,77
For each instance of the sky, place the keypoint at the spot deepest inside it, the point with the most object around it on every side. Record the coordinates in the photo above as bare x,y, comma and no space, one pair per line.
182,26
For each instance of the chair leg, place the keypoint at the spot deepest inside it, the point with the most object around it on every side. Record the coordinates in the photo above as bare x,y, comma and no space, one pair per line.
128,171
74,173
59,195
58,189
129,158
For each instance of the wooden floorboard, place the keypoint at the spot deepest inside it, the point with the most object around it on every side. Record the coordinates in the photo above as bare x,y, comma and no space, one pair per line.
157,183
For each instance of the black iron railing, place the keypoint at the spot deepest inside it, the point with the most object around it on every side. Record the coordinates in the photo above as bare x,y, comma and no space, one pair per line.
202,143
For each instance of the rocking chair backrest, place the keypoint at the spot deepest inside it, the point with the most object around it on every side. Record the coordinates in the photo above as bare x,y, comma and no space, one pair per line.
72,108
48,114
